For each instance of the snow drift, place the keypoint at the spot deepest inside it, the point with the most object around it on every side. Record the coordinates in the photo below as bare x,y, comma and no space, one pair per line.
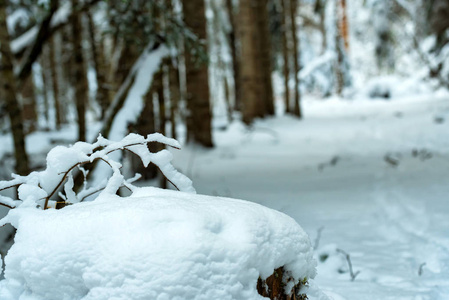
154,244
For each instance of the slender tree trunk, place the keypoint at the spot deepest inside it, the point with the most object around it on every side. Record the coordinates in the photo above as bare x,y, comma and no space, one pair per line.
285,51
56,78
146,124
175,93
297,92
320,9
234,55
46,80
339,45
102,95
265,57
250,69
162,115
79,74
29,105
343,24
197,77
8,93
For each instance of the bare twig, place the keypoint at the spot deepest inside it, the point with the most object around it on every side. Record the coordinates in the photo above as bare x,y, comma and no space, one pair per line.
99,152
318,237
348,259
420,269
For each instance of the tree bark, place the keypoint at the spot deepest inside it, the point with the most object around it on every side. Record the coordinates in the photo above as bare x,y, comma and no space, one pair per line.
274,287
197,77
175,93
79,74
56,78
251,78
234,55
343,24
339,45
8,92
285,51
296,68
46,81
102,95
320,9
265,57
29,105
146,124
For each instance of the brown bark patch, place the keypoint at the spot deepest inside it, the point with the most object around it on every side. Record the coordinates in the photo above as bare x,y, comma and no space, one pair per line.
274,287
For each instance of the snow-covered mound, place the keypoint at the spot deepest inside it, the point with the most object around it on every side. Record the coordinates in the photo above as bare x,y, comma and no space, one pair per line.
155,244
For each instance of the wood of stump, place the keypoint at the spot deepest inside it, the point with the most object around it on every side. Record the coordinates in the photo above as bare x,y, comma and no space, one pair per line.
274,287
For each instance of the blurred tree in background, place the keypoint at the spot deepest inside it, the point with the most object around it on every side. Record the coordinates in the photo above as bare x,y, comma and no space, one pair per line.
75,62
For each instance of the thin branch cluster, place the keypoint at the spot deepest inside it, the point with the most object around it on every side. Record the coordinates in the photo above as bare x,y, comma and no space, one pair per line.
54,184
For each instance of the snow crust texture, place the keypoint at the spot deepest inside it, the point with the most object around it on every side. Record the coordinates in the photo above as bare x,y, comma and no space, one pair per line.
155,244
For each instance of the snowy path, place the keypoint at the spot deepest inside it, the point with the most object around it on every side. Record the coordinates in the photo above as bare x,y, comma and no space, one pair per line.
331,171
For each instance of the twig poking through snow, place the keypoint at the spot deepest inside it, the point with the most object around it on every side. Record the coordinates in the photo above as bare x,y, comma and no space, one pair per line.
392,159
420,269
348,259
318,237
38,188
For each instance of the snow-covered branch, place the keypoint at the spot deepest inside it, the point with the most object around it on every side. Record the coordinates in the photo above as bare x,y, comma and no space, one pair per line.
38,188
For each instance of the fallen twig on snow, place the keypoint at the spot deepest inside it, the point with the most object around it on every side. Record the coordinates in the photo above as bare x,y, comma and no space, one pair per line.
348,259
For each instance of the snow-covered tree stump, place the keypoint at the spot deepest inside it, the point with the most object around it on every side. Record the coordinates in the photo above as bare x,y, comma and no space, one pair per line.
155,244
280,286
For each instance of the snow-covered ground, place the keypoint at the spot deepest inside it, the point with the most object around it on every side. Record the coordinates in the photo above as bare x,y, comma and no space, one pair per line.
372,174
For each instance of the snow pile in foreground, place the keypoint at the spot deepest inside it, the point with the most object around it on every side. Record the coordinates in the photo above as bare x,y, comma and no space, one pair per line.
155,244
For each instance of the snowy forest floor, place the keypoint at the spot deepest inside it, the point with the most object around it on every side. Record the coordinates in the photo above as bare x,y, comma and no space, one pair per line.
373,175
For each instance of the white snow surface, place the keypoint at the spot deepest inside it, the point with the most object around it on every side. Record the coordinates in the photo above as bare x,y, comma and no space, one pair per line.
155,244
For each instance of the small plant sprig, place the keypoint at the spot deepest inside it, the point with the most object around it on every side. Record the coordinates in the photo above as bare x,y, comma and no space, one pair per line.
39,189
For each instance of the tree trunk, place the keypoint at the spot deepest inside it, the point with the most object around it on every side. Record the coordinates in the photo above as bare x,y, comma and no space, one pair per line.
297,91
234,55
102,95
344,24
56,78
8,93
79,75
29,105
197,77
46,81
146,124
250,69
285,51
175,93
320,9
339,45
265,57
